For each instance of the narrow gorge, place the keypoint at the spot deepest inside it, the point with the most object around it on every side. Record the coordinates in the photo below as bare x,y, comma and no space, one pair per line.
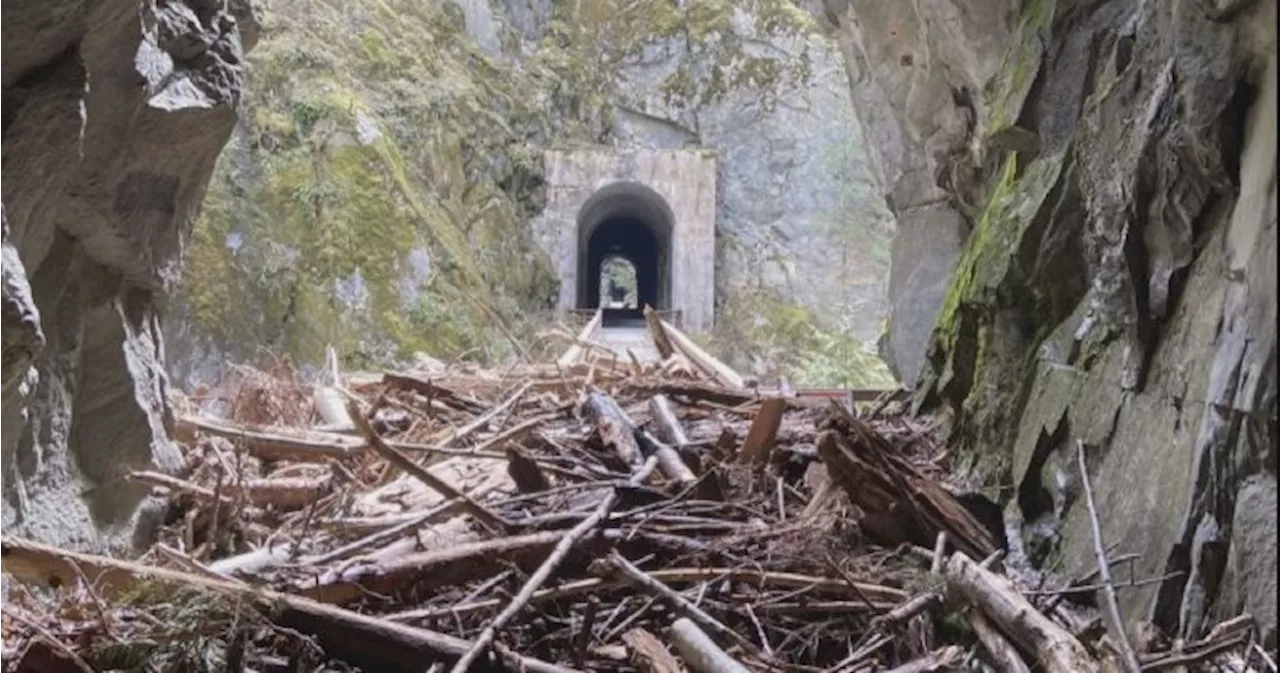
1052,223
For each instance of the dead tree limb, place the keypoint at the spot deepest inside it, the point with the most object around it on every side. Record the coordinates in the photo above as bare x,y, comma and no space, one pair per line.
1056,650
670,462
488,416
700,651
314,447
393,456
672,436
1002,652
543,573
664,416
615,428
1104,568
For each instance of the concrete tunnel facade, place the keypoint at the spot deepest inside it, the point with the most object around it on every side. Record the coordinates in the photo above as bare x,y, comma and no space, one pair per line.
653,208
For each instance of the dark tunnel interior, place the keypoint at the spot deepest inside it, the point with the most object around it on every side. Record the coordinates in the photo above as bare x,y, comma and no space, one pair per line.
635,242
632,223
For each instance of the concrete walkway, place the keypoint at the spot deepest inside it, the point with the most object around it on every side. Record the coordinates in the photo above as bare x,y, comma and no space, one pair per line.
628,337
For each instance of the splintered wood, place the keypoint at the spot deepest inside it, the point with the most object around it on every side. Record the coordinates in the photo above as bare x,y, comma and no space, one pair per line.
591,514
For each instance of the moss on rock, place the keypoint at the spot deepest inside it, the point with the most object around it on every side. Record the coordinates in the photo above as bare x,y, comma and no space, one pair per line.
981,357
365,145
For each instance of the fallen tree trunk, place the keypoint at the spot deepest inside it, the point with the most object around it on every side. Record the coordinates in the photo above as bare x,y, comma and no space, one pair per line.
1056,650
615,428
438,567
434,391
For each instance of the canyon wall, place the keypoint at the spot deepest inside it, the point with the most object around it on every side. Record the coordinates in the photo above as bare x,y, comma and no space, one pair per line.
114,114
1110,167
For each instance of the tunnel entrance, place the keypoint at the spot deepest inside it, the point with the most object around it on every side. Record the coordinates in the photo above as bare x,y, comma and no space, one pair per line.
624,225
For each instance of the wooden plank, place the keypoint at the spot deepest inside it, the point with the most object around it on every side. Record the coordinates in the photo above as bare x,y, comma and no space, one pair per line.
704,360
653,322
853,394
574,351
764,430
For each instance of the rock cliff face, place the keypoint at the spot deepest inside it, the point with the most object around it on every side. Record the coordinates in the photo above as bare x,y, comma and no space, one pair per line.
114,113
1112,164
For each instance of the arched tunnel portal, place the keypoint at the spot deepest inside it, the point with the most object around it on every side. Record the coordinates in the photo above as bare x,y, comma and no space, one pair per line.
633,222
656,209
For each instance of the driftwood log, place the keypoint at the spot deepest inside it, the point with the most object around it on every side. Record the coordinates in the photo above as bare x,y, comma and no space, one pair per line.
631,444
700,651
1002,652
667,424
1056,650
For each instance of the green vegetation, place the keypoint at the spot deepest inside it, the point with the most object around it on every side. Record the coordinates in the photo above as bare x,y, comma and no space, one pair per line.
174,629
758,329
378,195
618,272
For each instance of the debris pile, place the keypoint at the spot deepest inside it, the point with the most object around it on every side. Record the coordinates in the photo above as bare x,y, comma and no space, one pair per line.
592,514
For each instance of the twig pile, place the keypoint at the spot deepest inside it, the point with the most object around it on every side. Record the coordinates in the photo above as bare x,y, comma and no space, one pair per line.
603,516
